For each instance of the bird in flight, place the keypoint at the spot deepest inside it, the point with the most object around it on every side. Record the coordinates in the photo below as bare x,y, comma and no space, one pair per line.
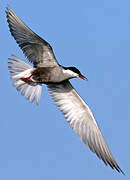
46,70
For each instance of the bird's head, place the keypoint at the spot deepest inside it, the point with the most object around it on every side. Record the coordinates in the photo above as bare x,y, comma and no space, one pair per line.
74,73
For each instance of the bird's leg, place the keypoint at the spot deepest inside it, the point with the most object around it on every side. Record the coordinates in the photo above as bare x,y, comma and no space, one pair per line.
27,79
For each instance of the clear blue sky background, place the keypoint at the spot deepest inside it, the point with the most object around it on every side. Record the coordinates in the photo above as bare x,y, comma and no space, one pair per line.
36,142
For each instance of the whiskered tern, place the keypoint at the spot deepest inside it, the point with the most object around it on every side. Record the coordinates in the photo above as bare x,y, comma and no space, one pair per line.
46,70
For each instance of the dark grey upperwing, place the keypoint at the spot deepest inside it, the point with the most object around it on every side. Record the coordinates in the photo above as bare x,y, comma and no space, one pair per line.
82,121
37,50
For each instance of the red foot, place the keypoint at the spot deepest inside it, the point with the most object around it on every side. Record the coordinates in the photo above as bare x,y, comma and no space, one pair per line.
27,79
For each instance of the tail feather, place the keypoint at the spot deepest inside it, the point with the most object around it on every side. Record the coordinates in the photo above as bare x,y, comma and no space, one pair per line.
17,66
19,69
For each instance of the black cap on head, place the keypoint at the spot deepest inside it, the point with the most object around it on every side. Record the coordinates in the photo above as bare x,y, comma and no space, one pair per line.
74,69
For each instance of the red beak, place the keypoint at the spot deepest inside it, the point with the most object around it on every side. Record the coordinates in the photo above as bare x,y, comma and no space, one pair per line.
83,77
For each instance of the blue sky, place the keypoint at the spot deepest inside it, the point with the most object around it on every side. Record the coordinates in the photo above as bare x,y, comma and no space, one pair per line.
36,142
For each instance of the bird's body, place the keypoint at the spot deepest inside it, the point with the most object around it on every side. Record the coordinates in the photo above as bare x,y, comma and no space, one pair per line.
46,70
49,75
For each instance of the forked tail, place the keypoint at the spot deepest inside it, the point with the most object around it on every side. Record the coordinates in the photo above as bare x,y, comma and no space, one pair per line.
19,70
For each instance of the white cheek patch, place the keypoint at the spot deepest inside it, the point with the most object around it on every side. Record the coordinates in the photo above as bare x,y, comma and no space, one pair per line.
73,74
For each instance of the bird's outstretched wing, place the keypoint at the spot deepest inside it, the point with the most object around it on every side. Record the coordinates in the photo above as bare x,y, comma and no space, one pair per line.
37,50
81,120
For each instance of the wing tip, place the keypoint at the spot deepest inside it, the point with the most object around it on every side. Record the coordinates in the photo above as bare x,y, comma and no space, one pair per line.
8,9
9,13
119,170
115,166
